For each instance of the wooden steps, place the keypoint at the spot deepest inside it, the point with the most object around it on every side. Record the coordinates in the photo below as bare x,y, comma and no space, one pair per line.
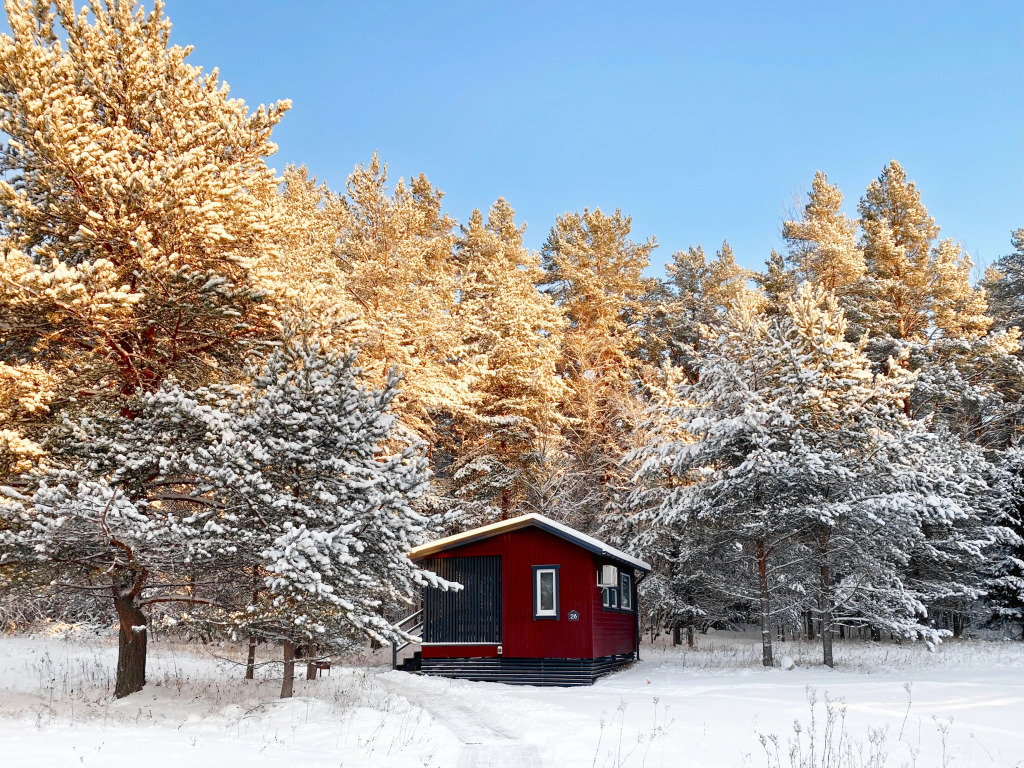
411,663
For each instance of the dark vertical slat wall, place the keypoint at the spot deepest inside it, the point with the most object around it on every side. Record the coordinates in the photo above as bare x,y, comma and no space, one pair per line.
471,615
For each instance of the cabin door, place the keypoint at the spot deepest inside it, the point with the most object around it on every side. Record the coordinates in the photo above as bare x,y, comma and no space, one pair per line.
471,615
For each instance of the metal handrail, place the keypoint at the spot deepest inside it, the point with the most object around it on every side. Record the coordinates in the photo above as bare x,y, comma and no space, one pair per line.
396,647
415,641
408,618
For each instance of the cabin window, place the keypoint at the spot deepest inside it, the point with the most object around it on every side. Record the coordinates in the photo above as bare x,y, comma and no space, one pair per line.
620,596
545,591
626,592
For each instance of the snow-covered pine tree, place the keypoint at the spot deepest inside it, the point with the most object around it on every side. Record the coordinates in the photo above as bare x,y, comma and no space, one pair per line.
973,388
134,209
327,485
281,509
960,533
512,333
395,252
790,443
1004,282
860,473
595,274
1005,576
916,288
133,202
701,291
685,588
924,310
711,470
823,249
88,527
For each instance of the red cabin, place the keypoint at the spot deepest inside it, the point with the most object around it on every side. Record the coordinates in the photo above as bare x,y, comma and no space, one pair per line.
541,604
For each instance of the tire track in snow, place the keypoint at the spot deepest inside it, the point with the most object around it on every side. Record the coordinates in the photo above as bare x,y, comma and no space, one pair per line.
485,744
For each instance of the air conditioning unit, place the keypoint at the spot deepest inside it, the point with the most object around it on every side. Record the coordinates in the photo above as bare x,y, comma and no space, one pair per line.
608,576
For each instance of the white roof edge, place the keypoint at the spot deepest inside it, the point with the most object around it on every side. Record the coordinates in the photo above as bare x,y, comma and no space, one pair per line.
563,531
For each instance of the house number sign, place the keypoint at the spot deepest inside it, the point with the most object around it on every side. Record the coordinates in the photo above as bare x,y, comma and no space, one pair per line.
574,615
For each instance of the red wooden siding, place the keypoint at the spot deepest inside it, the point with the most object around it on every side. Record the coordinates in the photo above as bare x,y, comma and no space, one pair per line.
596,633
614,631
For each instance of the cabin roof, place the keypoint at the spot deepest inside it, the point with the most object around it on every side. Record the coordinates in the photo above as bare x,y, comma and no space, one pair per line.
526,521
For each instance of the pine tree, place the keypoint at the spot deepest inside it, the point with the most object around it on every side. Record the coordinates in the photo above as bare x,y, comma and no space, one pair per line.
304,272
712,486
868,476
513,334
395,252
595,274
327,488
281,494
959,532
134,210
1005,577
1004,282
918,289
702,292
823,249
133,202
790,451
973,388
777,282
823,242
685,588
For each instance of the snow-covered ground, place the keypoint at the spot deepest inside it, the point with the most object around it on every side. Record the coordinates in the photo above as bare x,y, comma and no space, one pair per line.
962,705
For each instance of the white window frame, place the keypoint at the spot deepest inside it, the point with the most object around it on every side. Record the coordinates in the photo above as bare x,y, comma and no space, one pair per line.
538,612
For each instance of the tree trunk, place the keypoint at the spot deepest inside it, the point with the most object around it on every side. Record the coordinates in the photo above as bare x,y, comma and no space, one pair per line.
311,661
288,684
676,639
250,661
826,638
766,607
691,641
131,643
825,602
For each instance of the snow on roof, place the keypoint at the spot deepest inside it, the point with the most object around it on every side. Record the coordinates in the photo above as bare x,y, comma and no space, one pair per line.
525,521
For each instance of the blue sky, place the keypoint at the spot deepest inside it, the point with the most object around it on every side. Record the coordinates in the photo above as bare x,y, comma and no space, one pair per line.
701,120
